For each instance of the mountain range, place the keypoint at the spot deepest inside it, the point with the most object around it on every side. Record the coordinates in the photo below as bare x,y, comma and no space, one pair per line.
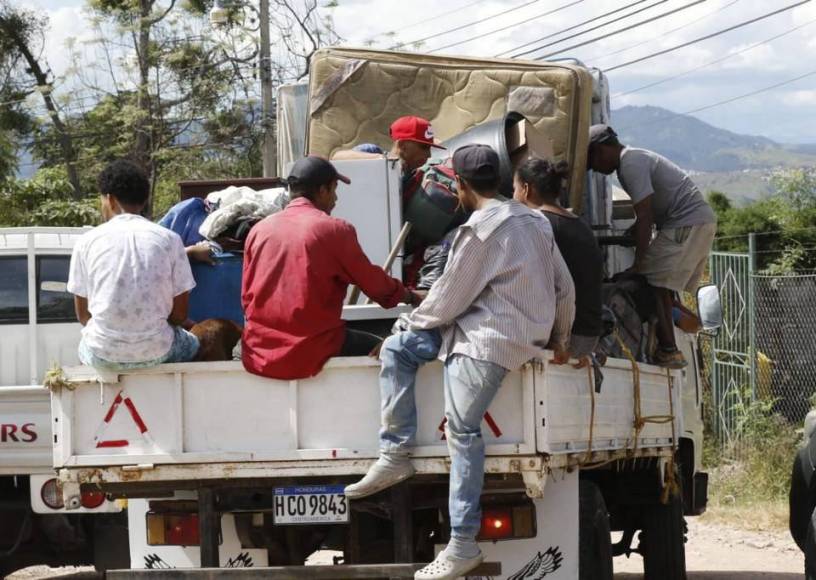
738,165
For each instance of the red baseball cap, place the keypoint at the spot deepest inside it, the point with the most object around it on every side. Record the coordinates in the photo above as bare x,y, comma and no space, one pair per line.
413,129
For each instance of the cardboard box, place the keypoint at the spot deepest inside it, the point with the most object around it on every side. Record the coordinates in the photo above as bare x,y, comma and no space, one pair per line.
525,141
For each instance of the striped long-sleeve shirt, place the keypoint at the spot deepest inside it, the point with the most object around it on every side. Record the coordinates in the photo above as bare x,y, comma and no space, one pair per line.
505,291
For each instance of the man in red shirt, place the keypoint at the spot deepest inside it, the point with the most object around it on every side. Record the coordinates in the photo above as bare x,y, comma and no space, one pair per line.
298,265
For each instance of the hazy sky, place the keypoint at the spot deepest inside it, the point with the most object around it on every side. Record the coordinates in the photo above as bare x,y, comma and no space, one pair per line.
787,113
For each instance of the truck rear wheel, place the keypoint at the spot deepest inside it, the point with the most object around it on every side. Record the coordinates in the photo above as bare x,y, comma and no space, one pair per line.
111,545
809,548
594,540
663,539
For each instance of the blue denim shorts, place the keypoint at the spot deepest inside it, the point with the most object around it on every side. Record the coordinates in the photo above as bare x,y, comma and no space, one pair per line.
184,349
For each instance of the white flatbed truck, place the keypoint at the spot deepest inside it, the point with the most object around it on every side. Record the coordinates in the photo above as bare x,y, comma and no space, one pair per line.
284,449
223,469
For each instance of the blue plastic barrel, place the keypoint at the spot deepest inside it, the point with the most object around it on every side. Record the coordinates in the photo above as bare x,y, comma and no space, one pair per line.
218,289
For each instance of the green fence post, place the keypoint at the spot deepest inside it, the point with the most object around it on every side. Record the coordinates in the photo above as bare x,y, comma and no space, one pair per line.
752,349
712,368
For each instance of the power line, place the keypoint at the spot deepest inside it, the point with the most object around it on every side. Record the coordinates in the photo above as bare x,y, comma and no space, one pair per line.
715,61
240,66
708,36
415,24
626,28
771,233
727,101
594,59
468,25
577,34
751,94
573,27
515,24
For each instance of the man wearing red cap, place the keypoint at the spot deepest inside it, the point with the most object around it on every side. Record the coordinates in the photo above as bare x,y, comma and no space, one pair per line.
429,199
413,138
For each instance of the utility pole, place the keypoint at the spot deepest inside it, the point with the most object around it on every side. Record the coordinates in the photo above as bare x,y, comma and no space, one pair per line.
269,143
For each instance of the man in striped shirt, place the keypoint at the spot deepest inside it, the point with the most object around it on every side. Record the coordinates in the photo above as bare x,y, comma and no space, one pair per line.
505,294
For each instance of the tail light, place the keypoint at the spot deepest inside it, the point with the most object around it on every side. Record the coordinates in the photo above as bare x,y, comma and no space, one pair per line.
51,494
508,522
167,529
92,499
497,525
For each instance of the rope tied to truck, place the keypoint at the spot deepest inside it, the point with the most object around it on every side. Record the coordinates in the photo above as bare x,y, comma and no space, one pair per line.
55,379
586,463
670,488
670,485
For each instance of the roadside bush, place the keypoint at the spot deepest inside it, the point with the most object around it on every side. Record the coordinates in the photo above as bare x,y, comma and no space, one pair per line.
44,200
750,479
767,444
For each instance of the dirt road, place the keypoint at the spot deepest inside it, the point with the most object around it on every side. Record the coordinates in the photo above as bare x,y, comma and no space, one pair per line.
713,552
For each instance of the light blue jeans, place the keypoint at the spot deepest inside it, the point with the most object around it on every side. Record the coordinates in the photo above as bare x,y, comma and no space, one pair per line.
184,349
470,386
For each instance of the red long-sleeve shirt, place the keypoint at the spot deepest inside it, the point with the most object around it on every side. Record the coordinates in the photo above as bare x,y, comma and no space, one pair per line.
298,265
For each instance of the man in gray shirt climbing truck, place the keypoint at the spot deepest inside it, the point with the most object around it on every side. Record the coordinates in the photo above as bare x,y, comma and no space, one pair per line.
664,196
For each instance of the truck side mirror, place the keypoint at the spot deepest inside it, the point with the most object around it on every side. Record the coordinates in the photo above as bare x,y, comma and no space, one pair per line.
710,309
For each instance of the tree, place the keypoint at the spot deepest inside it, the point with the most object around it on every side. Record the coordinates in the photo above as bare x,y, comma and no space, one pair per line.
186,95
21,32
42,201
158,85
782,223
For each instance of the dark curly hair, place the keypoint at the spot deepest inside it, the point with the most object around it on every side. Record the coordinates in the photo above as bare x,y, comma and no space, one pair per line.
125,181
545,177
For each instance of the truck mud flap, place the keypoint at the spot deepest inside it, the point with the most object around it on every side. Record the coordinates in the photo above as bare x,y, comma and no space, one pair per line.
391,571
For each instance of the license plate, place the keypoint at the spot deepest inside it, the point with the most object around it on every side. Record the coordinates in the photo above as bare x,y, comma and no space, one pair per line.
311,504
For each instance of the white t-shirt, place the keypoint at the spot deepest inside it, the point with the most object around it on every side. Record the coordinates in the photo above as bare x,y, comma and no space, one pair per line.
129,269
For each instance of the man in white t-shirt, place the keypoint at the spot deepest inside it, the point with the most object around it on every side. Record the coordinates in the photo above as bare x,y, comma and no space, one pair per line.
666,199
131,281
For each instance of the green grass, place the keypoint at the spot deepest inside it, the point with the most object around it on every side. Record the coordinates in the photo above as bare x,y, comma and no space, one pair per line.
749,484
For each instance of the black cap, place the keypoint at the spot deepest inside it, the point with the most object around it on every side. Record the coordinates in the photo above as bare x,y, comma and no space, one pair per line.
314,171
476,162
601,134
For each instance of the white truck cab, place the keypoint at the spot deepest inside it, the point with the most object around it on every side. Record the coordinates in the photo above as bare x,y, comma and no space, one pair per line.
37,316
39,331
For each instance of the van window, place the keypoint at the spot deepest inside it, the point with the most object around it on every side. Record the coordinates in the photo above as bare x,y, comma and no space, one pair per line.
54,302
13,290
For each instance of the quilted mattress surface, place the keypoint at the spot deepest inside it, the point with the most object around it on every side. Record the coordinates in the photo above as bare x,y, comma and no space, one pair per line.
355,95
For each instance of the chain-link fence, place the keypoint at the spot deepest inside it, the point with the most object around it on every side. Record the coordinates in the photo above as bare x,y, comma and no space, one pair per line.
785,321
765,354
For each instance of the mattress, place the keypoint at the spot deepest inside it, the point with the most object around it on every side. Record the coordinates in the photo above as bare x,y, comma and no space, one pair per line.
355,95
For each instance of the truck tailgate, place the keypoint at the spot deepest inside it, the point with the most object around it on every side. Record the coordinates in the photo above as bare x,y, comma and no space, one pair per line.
196,413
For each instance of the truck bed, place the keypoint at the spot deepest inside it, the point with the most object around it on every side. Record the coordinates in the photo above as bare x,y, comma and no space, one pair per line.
215,420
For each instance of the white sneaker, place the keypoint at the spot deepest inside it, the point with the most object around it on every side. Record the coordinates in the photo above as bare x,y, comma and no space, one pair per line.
382,475
446,567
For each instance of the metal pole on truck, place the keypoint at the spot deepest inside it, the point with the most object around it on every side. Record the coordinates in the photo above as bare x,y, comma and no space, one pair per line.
269,153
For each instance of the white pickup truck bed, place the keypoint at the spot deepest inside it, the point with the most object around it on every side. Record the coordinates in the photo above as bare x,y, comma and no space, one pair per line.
197,421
